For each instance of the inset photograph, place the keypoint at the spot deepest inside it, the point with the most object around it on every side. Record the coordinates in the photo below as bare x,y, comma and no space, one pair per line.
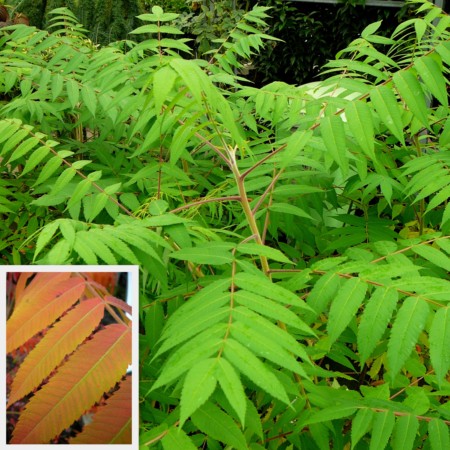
69,357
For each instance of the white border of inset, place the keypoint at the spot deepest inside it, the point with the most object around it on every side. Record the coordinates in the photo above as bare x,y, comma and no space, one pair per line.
133,299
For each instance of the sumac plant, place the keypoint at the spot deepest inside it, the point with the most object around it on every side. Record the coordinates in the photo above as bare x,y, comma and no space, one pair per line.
72,341
293,241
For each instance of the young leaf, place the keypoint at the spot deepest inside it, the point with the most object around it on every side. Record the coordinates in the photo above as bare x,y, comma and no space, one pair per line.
198,386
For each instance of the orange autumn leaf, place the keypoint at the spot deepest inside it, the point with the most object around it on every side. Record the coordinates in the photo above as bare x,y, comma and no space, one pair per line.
111,424
90,372
40,305
61,340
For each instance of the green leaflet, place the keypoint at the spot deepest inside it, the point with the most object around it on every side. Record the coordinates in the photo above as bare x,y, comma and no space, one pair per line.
410,90
260,284
408,324
263,250
163,82
34,159
386,105
429,68
321,294
73,92
67,228
285,208
247,363
433,255
330,413
375,319
383,424
176,439
97,246
438,433
361,424
359,119
333,134
405,432
44,237
265,346
267,328
271,309
440,343
84,249
232,388
24,148
215,423
199,348
344,306
154,320
198,386
63,180
198,325
215,253
89,98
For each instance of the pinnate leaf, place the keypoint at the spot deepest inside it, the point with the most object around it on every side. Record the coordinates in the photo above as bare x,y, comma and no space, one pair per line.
111,424
94,369
41,307
59,341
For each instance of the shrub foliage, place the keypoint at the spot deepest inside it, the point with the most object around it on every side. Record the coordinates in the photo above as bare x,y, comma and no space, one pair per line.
293,240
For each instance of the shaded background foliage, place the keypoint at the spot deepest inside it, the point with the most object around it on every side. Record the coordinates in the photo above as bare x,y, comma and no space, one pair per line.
310,33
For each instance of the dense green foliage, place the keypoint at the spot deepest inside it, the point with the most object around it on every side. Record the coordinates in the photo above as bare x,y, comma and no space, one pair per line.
106,20
293,241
